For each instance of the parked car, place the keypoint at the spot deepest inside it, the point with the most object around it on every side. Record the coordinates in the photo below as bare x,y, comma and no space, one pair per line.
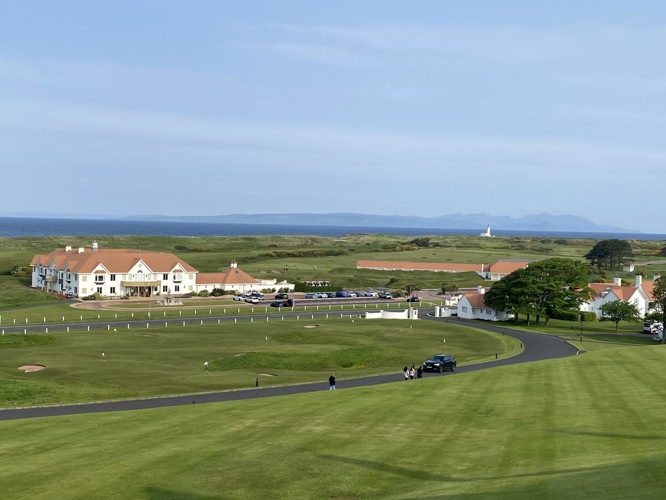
321,295
288,303
352,294
385,295
651,327
413,298
69,295
331,295
370,293
277,303
310,295
281,296
341,294
440,362
251,299
239,297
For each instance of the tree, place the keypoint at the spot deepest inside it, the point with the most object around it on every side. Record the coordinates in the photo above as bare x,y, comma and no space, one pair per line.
448,287
620,310
422,242
659,304
541,289
609,254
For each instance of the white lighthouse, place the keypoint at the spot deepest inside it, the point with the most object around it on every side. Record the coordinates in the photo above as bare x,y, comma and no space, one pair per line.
487,233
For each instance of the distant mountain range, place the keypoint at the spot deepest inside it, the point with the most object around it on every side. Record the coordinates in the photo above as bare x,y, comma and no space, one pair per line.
541,222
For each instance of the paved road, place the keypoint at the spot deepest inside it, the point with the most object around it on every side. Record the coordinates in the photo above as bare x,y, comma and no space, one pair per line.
536,347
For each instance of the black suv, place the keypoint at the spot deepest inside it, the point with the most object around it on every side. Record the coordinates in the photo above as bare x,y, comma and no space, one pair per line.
440,362
281,296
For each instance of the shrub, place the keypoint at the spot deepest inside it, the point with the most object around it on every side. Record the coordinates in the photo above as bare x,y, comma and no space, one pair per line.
573,316
203,293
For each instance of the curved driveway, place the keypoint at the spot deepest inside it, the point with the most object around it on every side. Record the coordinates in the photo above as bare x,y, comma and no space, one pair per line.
536,347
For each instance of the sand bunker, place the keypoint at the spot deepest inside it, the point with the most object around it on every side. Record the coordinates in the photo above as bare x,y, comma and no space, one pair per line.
31,368
311,326
266,375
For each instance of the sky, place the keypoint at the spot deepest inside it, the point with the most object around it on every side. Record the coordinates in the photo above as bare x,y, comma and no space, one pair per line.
422,108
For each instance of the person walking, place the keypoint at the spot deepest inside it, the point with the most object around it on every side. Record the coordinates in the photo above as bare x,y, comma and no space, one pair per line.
331,382
412,373
419,372
405,373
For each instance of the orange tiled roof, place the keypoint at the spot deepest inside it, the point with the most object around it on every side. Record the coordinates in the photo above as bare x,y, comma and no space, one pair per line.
648,288
508,266
114,260
475,299
231,276
621,292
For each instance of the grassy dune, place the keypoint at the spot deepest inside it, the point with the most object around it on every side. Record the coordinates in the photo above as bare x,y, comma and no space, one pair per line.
589,426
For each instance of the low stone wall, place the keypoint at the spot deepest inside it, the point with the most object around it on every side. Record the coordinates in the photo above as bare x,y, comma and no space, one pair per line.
410,313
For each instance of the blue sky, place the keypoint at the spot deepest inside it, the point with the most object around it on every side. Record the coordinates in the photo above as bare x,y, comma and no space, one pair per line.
385,107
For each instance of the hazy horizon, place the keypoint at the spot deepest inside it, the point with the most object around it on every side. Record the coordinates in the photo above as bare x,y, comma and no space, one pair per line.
425,108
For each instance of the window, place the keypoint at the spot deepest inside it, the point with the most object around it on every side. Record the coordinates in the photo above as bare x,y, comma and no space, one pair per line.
165,288
99,289
176,288
112,290
165,277
84,278
464,309
112,277
84,291
99,278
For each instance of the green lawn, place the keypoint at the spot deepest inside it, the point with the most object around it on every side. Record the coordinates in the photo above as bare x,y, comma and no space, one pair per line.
589,426
142,362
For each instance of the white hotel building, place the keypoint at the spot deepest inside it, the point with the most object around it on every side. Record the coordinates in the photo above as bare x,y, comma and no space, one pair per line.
117,272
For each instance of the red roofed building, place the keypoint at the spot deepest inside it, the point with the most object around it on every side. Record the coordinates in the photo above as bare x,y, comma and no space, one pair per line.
117,272
237,280
492,272
472,306
639,294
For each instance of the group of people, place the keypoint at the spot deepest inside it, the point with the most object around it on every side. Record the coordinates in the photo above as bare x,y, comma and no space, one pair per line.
410,373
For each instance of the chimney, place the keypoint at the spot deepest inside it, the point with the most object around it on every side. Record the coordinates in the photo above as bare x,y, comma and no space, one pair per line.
81,249
94,246
617,281
657,276
481,289
68,248
233,264
639,281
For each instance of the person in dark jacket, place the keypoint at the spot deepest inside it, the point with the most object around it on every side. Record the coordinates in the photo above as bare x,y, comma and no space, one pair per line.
331,382
419,372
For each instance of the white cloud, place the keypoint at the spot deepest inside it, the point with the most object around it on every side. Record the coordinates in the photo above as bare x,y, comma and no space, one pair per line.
194,132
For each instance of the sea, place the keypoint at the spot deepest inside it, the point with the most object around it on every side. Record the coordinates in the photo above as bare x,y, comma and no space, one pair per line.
13,227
